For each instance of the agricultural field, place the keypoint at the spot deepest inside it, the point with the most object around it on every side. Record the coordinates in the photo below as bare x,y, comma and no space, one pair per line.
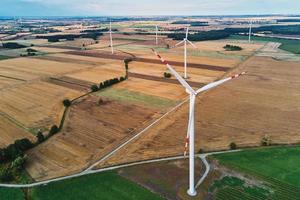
15,194
154,88
258,110
41,67
98,186
4,57
94,187
272,173
292,46
41,99
99,74
195,74
11,131
93,127
175,181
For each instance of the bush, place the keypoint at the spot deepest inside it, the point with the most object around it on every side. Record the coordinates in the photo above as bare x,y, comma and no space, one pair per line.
167,75
229,47
11,152
54,129
19,162
101,86
30,50
233,146
201,151
122,78
53,40
128,60
67,103
94,88
40,137
266,141
23,144
6,175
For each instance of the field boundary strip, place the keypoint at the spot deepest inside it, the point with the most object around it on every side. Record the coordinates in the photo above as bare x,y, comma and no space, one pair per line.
83,173
146,60
161,79
13,78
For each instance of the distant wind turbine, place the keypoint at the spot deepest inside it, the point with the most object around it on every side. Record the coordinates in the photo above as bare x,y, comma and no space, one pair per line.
185,41
111,39
191,124
156,33
250,31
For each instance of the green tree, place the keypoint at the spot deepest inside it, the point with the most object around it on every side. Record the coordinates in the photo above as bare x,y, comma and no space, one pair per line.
23,144
5,175
19,162
67,103
94,88
40,137
54,129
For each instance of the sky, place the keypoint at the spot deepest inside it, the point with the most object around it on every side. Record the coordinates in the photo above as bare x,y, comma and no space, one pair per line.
146,7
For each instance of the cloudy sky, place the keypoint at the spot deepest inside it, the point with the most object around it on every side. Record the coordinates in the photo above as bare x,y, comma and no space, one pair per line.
146,7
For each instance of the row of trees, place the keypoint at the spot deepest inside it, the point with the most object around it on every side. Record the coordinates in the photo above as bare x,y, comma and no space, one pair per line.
107,83
222,34
13,45
56,38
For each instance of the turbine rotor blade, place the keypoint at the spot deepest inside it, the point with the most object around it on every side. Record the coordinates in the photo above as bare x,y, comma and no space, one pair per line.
187,33
192,44
217,83
178,77
179,43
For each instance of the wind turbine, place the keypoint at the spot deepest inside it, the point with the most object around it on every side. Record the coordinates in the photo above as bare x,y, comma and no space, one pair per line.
250,31
156,33
191,124
185,41
111,39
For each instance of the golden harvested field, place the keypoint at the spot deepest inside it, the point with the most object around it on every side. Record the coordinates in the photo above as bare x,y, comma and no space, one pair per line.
104,43
92,129
155,88
4,82
194,74
98,74
264,102
40,66
17,73
75,43
37,104
11,132
178,56
90,59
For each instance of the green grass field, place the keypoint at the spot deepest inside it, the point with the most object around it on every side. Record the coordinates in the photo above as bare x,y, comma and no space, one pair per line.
11,194
103,186
292,46
278,168
131,97
2,57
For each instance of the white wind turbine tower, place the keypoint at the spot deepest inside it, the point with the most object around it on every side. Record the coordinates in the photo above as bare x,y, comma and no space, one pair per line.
250,30
191,124
156,34
111,39
185,41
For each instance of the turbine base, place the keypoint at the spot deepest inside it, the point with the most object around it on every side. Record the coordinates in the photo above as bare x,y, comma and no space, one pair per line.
192,194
